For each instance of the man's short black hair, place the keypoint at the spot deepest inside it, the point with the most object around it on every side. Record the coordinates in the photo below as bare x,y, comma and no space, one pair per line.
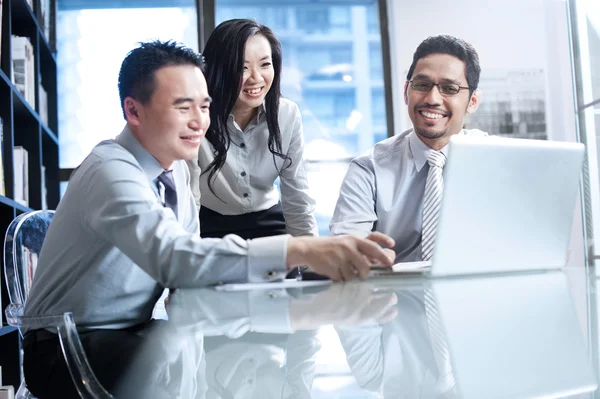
446,44
136,77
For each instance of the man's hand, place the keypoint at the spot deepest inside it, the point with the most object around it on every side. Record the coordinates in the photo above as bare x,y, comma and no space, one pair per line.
340,258
343,305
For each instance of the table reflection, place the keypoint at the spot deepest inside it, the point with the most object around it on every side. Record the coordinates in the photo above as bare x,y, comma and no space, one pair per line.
511,336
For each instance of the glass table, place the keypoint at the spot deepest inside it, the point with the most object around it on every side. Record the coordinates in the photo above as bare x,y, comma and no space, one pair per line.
519,335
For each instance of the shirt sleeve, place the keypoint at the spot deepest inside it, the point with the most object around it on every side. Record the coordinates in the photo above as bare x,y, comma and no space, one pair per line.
124,211
355,209
298,205
365,354
232,313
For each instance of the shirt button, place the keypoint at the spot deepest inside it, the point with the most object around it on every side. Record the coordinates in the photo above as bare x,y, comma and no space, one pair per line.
243,173
243,145
245,195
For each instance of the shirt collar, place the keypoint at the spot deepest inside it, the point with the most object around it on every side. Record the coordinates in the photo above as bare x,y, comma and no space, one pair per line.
262,111
146,160
420,151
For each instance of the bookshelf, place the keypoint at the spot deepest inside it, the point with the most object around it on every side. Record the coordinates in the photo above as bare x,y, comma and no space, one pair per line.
25,124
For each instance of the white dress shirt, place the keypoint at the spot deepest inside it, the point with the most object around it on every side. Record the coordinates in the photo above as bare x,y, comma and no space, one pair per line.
383,191
246,183
112,246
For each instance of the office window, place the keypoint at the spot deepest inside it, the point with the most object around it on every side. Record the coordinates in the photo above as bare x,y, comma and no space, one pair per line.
375,61
378,107
323,20
585,18
273,17
332,68
324,62
373,21
91,46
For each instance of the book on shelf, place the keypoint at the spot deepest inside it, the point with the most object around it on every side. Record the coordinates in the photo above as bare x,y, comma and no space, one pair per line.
23,71
7,392
2,188
48,10
21,175
43,104
44,189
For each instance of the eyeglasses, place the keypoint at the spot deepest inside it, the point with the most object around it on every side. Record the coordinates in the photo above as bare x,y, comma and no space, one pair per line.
446,89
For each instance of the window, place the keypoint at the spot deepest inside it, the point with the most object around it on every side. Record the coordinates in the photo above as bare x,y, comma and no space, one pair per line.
89,59
323,20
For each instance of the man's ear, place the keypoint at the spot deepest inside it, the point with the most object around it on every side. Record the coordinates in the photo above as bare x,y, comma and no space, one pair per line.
474,101
132,111
406,93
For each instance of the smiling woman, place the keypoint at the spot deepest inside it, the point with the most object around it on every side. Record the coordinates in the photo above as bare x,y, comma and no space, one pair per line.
254,139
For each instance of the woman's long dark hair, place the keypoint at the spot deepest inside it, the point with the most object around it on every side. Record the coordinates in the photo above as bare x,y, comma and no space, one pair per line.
224,54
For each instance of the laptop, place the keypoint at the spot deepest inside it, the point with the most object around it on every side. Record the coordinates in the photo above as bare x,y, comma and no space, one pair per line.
508,205
513,336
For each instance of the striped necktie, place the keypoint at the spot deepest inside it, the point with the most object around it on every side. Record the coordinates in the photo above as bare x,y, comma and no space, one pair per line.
434,188
446,385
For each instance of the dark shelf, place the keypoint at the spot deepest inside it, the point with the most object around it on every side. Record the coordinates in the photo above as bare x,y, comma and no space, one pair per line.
22,11
7,330
49,133
22,107
14,204
46,47
5,78
23,126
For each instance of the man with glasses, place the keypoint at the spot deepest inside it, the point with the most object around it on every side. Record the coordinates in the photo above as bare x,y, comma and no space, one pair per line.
385,190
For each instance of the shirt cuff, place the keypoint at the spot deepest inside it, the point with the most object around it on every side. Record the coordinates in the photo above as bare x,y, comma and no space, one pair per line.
269,311
267,259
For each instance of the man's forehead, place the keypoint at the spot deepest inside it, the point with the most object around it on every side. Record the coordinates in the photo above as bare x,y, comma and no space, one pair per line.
179,81
441,65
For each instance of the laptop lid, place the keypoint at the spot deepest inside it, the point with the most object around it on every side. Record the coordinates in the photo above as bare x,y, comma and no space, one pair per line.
508,205
513,336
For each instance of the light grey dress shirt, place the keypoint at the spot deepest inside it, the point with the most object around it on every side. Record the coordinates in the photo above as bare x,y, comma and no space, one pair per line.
113,247
246,182
383,191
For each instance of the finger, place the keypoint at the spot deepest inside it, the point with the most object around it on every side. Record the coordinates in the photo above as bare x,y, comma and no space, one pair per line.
361,264
334,274
348,271
374,251
381,238
390,253
388,316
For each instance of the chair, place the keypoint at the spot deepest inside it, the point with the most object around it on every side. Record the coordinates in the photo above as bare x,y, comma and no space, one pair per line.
22,245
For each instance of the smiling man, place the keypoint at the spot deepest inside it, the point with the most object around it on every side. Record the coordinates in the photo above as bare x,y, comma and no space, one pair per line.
127,228
384,190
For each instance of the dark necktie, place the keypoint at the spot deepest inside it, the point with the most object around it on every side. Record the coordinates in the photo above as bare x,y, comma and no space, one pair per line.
166,178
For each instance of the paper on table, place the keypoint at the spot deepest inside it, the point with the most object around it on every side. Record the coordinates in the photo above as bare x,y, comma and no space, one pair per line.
288,283
400,268
411,266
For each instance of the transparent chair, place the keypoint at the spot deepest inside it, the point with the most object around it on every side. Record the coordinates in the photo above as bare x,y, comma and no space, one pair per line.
22,245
